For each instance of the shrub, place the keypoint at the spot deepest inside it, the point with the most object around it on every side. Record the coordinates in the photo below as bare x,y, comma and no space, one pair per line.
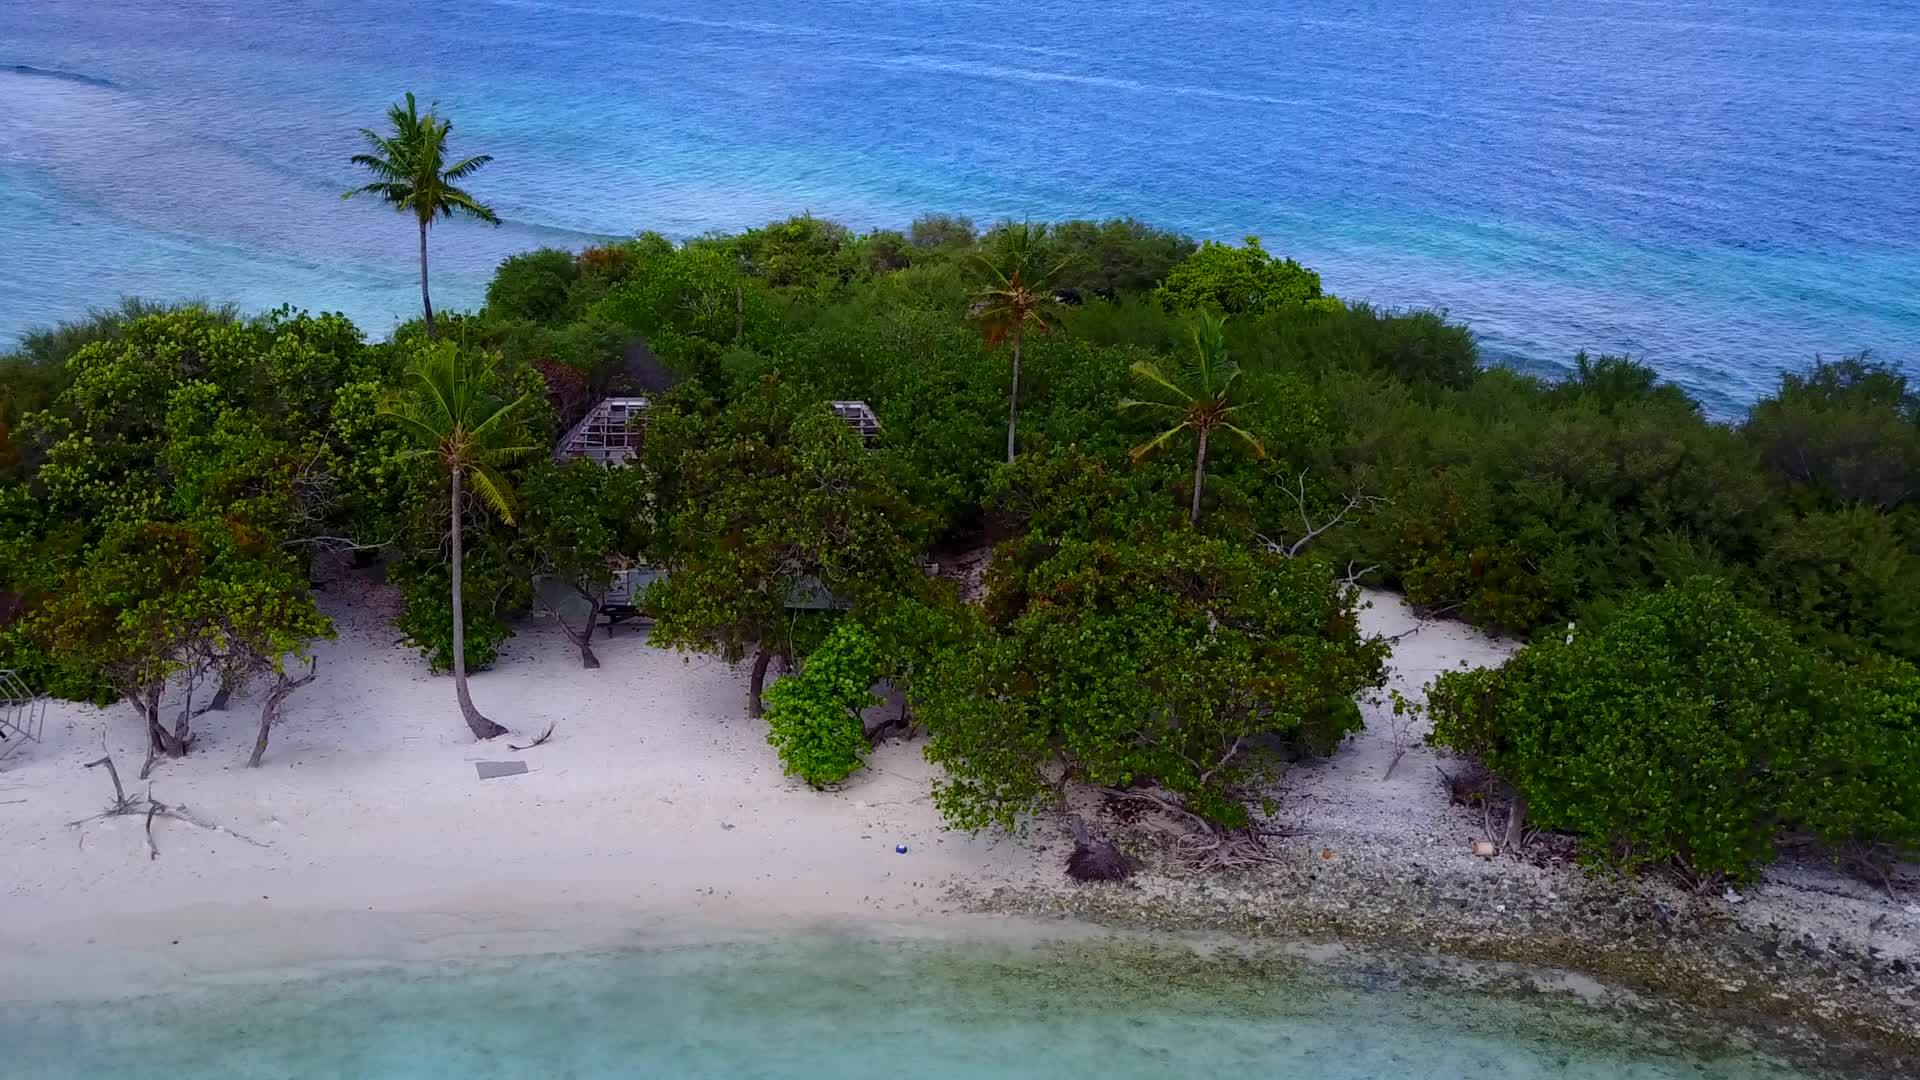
813,717
533,285
1114,257
1237,280
1848,430
1866,804
941,232
491,586
1689,731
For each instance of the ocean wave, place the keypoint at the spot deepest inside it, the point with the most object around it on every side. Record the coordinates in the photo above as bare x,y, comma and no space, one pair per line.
51,73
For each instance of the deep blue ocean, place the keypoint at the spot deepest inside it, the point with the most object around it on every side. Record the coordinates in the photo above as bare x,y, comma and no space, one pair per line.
1721,189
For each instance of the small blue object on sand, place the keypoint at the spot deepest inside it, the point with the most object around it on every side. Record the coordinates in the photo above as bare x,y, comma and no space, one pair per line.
899,849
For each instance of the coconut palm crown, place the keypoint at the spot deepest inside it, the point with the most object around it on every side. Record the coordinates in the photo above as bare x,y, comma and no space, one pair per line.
1200,402
1016,295
410,174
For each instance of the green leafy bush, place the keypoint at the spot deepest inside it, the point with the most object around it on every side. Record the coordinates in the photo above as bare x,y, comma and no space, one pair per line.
813,717
533,285
771,495
492,587
1690,731
1865,804
1237,280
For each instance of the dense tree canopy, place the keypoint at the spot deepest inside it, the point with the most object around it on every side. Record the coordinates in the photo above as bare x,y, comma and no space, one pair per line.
222,449
774,505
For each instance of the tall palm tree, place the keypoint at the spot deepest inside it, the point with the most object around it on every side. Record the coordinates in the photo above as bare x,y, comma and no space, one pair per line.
453,415
1201,406
410,173
1016,295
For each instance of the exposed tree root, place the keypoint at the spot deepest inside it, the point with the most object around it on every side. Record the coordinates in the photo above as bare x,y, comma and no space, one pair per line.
1200,845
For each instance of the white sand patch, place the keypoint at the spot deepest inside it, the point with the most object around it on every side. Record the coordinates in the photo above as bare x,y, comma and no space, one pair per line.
657,797
1351,794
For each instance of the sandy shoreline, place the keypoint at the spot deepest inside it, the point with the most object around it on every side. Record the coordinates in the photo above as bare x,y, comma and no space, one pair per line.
658,812
657,799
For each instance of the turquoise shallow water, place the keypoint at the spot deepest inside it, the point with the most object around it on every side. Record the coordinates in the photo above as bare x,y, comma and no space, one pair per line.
1722,189
845,1007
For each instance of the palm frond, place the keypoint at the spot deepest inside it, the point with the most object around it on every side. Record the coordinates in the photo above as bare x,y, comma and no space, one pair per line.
468,167
1149,376
493,490
439,388
484,426
1140,452
1057,267
1135,404
1245,436
453,198
426,437
993,269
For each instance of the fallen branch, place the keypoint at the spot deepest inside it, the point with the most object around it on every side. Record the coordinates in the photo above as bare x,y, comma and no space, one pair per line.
544,736
124,804
119,793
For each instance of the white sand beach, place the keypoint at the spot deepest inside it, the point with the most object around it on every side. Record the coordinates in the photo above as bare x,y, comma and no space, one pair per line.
656,807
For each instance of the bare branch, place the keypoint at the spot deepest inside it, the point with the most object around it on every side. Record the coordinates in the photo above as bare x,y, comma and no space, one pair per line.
337,543
1355,501
1353,576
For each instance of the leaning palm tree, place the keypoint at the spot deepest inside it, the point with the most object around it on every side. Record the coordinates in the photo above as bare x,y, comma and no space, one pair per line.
1203,409
410,174
1016,295
453,415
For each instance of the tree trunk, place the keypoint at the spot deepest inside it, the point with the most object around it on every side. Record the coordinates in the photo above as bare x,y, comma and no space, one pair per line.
584,639
481,727
270,710
1199,476
739,314
758,682
426,302
182,723
220,696
1013,399
1516,823
159,739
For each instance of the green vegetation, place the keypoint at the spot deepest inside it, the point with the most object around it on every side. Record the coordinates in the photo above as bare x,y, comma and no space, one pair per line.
1238,281
582,522
813,718
1161,657
455,417
769,501
1166,626
1202,406
1691,731
410,173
